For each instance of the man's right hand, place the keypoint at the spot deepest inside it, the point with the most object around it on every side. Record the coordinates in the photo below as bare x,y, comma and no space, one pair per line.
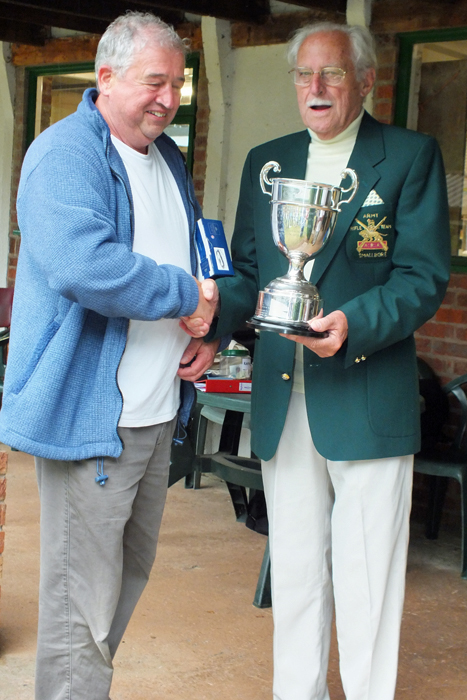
197,325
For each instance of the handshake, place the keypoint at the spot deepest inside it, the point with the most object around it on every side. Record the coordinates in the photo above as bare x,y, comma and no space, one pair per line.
198,324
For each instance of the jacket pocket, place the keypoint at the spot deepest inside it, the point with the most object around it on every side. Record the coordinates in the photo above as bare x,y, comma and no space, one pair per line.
393,394
36,357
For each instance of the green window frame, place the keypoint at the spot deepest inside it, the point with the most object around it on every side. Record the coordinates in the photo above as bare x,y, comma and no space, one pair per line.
406,43
33,73
187,113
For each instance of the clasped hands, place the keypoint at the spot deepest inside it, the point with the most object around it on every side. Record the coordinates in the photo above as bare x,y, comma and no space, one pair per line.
198,324
199,356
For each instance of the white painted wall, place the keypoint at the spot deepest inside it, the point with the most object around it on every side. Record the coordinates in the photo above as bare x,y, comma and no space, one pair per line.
259,105
219,72
6,149
252,100
264,107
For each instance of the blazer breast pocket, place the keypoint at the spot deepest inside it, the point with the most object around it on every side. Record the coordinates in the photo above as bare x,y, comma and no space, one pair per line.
370,238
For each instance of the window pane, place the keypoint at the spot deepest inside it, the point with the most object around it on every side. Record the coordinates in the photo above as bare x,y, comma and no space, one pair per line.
438,107
180,133
58,96
187,89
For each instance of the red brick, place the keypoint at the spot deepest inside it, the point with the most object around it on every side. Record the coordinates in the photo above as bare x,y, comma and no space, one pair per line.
199,169
2,542
441,366
2,488
3,462
458,280
202,113
451,315
452,349
2,514
384,92
449,298
436,330
386,73
386,57
423,345
459,368
383,109
201,141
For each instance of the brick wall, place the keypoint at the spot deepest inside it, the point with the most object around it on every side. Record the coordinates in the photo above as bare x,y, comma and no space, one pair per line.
201,136
19,139
442,342
3,470
386,76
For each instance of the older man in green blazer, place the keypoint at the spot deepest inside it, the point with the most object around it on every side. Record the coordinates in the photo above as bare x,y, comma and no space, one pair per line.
336,425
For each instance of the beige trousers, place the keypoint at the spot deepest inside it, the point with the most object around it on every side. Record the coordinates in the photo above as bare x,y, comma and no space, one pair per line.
98,544
338,535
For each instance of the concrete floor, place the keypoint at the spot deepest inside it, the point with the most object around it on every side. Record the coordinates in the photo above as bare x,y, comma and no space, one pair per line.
195,634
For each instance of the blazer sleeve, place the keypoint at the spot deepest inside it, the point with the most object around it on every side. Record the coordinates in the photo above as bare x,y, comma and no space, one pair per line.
239,293
390,312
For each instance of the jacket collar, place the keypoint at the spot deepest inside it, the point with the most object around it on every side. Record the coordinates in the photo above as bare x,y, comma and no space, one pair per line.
368,151
168,149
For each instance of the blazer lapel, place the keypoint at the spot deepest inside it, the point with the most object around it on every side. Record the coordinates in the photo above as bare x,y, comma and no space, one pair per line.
368,152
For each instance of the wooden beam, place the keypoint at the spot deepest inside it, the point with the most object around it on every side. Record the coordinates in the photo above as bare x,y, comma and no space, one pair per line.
394,16
331,5
80,49
91,17
278,28
247,10
255,11
32,34
51,19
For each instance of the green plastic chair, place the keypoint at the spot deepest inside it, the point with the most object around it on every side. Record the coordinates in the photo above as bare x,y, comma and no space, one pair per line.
448,460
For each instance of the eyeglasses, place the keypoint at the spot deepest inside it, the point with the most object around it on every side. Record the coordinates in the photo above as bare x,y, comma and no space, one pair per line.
329,76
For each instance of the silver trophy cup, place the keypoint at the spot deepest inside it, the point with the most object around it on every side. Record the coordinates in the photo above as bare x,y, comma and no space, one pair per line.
303,217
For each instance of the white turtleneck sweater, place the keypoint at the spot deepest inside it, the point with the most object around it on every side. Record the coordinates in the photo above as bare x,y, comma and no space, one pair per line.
326,161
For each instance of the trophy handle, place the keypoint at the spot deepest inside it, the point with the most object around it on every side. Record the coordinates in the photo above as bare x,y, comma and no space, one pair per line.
263,178
353,187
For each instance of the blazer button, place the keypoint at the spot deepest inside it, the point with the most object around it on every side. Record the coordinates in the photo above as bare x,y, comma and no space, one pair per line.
285,377
357,359
363,358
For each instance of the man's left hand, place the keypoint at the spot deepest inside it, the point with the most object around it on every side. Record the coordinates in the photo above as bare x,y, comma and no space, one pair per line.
200,355
337,328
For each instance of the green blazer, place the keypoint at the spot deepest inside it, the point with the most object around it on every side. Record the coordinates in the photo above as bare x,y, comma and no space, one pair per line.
363,403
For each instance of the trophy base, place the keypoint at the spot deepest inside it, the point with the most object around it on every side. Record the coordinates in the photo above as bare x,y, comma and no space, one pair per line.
285,329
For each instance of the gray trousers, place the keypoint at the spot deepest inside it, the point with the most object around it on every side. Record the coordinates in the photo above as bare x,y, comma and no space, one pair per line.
98,544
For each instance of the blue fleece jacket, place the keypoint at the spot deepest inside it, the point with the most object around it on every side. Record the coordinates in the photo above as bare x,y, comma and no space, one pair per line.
78,283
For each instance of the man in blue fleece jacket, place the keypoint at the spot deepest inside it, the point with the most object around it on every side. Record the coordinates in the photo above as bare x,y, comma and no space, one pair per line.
107,213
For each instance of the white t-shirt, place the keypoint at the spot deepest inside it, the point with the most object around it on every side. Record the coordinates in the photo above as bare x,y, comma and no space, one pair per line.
326,161
147,375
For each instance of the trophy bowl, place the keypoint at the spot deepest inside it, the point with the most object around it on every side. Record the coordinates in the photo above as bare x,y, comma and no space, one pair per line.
303,217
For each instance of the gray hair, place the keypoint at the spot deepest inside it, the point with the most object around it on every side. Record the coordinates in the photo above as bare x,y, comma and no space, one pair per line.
129,34
361,42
